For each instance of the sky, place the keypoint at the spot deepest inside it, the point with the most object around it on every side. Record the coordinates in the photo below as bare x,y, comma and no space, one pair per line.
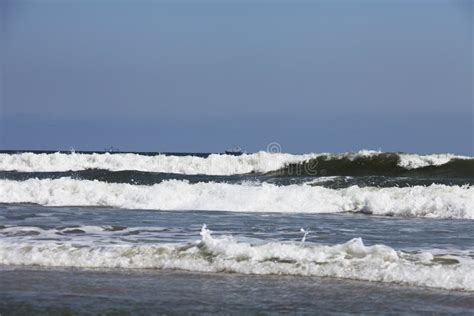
203,76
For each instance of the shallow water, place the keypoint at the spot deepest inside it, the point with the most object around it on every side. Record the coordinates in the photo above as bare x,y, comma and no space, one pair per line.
59,290
71,291
151,226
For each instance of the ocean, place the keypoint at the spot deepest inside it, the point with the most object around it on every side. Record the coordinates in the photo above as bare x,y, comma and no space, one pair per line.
261,233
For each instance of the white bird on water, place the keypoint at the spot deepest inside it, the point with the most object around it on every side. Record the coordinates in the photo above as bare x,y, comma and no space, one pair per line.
305,232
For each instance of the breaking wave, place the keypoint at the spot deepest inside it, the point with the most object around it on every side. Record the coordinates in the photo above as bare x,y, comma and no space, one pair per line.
382,164
437,201
214,164
359,163
350,260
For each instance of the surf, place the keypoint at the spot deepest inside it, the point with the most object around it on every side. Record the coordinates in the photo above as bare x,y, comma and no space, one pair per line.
314,164
433,201
226,254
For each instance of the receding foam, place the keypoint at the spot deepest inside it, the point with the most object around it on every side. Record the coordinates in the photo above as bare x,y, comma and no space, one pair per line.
350,260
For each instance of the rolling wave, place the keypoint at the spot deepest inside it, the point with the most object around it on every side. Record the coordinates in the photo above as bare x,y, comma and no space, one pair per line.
350,260
359,163
438,201
382,164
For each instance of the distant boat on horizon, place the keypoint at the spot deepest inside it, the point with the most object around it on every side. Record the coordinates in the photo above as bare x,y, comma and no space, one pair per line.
112,149
236,151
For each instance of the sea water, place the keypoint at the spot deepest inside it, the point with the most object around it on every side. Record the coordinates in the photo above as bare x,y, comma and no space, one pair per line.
129,233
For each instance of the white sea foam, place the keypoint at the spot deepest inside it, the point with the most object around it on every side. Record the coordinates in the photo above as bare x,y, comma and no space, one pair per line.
213,165
414,161
438,201
97,235
350,260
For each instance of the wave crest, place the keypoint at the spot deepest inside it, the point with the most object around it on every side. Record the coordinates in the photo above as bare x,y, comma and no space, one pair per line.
436,200
381,164
359,163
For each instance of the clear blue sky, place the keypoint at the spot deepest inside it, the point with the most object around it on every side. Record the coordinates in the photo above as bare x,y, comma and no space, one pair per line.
205,75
